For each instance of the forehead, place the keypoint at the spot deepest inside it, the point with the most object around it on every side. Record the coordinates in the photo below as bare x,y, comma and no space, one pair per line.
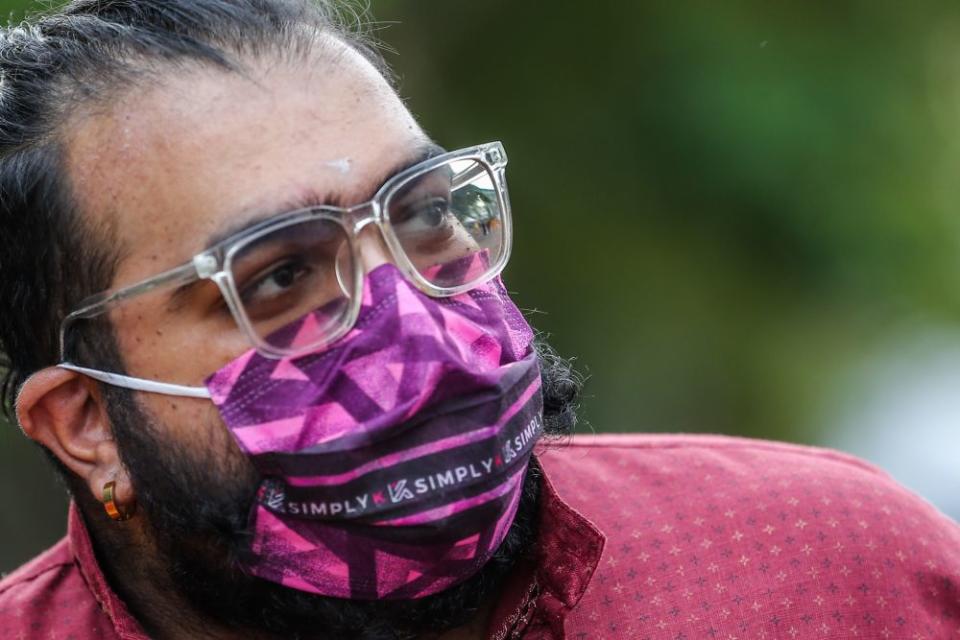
172,163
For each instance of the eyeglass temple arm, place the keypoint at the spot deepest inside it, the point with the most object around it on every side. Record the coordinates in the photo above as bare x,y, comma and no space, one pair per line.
103,302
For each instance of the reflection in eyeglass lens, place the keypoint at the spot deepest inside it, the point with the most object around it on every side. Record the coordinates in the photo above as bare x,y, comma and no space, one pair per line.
444,217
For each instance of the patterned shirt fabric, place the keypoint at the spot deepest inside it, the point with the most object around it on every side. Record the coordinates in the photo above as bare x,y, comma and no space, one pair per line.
653,537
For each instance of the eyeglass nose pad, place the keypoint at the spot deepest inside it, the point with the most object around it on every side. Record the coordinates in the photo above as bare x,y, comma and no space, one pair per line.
373,252
372,248
343,267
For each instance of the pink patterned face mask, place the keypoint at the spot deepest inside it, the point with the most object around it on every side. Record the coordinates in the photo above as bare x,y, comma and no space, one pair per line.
392,461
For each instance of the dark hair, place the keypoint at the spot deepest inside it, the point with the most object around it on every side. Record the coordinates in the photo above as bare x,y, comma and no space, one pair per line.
84,55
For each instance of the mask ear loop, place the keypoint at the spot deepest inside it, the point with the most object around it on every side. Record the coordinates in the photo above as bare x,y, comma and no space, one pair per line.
139,384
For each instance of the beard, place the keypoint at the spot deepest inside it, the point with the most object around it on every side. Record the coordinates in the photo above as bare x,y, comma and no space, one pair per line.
197,501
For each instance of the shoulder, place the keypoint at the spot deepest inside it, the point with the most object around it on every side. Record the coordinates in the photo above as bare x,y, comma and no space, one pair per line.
728,469
728,529
628,449
47,596
722,479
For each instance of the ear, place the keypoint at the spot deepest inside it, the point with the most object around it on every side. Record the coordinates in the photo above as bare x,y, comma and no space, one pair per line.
63,411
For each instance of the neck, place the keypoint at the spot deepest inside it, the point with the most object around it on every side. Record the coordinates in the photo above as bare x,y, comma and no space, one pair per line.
130,563
133,573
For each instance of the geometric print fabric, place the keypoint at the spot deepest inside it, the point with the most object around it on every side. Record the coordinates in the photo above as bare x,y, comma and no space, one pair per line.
393,459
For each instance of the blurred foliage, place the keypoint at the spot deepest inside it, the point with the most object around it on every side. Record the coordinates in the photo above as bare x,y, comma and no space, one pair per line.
720,207
717,206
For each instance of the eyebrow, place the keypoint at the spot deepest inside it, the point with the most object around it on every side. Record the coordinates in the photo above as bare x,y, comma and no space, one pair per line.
423,151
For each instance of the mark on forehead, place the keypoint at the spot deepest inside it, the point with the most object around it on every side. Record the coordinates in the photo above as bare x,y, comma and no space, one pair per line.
342,165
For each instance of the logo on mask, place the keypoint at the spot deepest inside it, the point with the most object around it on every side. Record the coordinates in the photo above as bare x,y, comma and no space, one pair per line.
272,495
399,491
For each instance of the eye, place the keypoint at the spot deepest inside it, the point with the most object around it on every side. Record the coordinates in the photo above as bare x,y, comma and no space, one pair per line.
428,213
435,211
274,281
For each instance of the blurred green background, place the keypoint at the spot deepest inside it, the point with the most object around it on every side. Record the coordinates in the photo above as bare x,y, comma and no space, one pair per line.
738,217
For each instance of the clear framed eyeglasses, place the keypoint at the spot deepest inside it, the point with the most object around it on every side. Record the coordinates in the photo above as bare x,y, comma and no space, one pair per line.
446,222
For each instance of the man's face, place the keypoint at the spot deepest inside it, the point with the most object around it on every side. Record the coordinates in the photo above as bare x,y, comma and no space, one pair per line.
170,169
198,155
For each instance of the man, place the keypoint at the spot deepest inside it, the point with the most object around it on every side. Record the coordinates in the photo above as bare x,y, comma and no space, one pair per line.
255,319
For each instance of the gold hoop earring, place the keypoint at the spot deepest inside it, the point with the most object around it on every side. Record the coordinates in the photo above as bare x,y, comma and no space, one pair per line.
110,503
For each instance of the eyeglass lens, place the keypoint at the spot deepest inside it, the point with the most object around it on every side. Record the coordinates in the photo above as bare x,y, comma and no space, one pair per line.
295,282
449,223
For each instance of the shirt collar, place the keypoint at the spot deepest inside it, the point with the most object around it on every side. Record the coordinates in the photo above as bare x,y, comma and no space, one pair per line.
569,548
568,552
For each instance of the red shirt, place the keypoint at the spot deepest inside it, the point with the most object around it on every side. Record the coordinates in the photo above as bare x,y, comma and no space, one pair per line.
653,537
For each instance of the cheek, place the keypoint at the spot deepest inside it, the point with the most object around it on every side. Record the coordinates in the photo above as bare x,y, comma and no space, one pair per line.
180,348
196,425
